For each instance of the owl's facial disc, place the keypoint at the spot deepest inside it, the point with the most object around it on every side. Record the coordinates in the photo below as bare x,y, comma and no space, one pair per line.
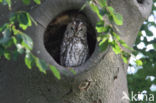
78,27
75,26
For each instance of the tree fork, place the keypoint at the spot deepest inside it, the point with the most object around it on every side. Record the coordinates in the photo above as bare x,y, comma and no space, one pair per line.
102,79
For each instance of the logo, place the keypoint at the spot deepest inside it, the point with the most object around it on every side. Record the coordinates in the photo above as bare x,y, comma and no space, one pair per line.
140,97
125,96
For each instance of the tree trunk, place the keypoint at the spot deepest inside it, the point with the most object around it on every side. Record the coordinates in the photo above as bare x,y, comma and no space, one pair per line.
102,79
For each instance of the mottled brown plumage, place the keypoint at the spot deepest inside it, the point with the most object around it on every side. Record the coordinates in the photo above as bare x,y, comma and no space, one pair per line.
74,48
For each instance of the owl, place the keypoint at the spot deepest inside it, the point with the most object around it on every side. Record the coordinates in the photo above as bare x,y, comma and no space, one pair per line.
74,47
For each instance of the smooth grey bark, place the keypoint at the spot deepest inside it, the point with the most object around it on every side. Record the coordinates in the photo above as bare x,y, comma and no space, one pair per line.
102,79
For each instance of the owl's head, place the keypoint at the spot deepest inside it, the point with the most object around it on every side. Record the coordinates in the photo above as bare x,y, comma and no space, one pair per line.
79,27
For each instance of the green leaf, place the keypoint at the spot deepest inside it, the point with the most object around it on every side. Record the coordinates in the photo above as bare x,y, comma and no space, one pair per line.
100,24
94,7
24,20
26,2
116,48
37,2
1,1
104,29
96,10
4,27
6,36
20,48
100,27
42,66
125,45
23,41
29,19
29,59
149,33
102,36
7,55
125,60
14,55
55,72
125,56
14,30
103,3
18,39
12,17
103,44
116,36
121,41
14,40
27,42
110,10
104,39
118,19
139,62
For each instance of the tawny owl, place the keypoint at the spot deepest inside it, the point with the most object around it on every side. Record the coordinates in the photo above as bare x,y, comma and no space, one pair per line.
74,48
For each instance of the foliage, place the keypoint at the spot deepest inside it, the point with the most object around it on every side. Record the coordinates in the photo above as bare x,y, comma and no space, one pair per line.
13,36
141,80
107,36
